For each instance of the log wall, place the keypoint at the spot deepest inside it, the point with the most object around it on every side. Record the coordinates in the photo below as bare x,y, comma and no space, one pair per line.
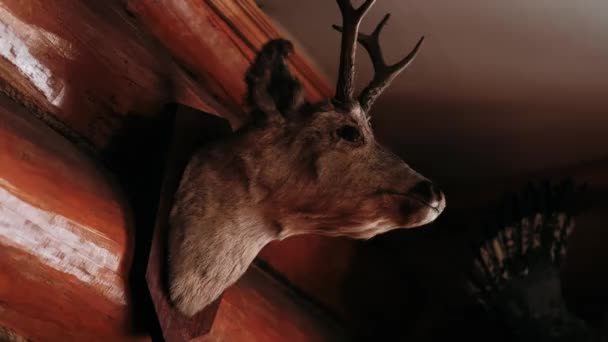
66,236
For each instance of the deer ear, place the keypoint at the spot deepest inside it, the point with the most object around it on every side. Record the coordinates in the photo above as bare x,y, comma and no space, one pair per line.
271,88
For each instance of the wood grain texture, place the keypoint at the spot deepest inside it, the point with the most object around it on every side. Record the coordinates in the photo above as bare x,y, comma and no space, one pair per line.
65,234
86,67
216,41
318,266
258,308
83,66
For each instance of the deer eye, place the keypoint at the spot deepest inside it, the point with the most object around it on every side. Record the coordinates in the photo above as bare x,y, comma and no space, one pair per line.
349,133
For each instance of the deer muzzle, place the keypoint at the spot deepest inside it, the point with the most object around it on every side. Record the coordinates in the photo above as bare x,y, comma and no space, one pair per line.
424,203
429,194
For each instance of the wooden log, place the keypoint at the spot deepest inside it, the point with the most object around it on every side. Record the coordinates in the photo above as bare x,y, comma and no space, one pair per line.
65,237
84,66
216,41
260,309
475,196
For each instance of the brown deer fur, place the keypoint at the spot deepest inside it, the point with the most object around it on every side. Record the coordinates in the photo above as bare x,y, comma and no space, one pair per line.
295,168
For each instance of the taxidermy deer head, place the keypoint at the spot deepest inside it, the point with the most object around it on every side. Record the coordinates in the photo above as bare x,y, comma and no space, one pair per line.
295,168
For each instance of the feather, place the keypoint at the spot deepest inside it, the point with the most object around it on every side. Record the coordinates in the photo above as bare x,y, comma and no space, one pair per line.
515,273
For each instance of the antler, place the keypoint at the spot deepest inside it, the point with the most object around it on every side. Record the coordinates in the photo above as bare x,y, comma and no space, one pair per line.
351,18
383,73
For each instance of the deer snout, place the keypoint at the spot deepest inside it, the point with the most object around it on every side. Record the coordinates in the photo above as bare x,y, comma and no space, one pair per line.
430,194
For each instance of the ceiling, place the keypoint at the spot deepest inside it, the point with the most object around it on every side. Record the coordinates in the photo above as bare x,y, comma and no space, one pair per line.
499,88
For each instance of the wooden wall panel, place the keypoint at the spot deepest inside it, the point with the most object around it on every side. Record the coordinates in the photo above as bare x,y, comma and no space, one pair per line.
216,41
66,237
189,130
258,308
318,266
83,66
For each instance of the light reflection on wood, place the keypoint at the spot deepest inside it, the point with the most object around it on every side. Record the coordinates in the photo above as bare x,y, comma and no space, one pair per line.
65,236
85,65
56,241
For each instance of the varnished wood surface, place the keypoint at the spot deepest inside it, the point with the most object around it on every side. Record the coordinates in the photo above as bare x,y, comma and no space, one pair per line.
259,309
216,41
430,265
251,26
318,266
65,237
84,66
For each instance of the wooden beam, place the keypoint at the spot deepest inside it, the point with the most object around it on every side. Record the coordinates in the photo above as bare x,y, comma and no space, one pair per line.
84,66
260,309
265,300
66,237
438,260
216,41
250,25
472,197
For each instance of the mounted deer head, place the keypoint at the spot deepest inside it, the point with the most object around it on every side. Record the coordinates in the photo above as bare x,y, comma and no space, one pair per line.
295,168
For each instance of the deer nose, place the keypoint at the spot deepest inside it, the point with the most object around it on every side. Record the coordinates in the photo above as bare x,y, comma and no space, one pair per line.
430,193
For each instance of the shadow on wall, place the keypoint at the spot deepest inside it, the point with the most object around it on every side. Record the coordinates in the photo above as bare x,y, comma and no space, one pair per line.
137,156
457,141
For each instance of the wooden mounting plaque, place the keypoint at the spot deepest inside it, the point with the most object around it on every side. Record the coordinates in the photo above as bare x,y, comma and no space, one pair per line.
191,130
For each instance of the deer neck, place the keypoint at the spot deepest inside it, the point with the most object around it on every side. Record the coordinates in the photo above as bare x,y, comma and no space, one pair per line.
236,237
232,240
215,252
